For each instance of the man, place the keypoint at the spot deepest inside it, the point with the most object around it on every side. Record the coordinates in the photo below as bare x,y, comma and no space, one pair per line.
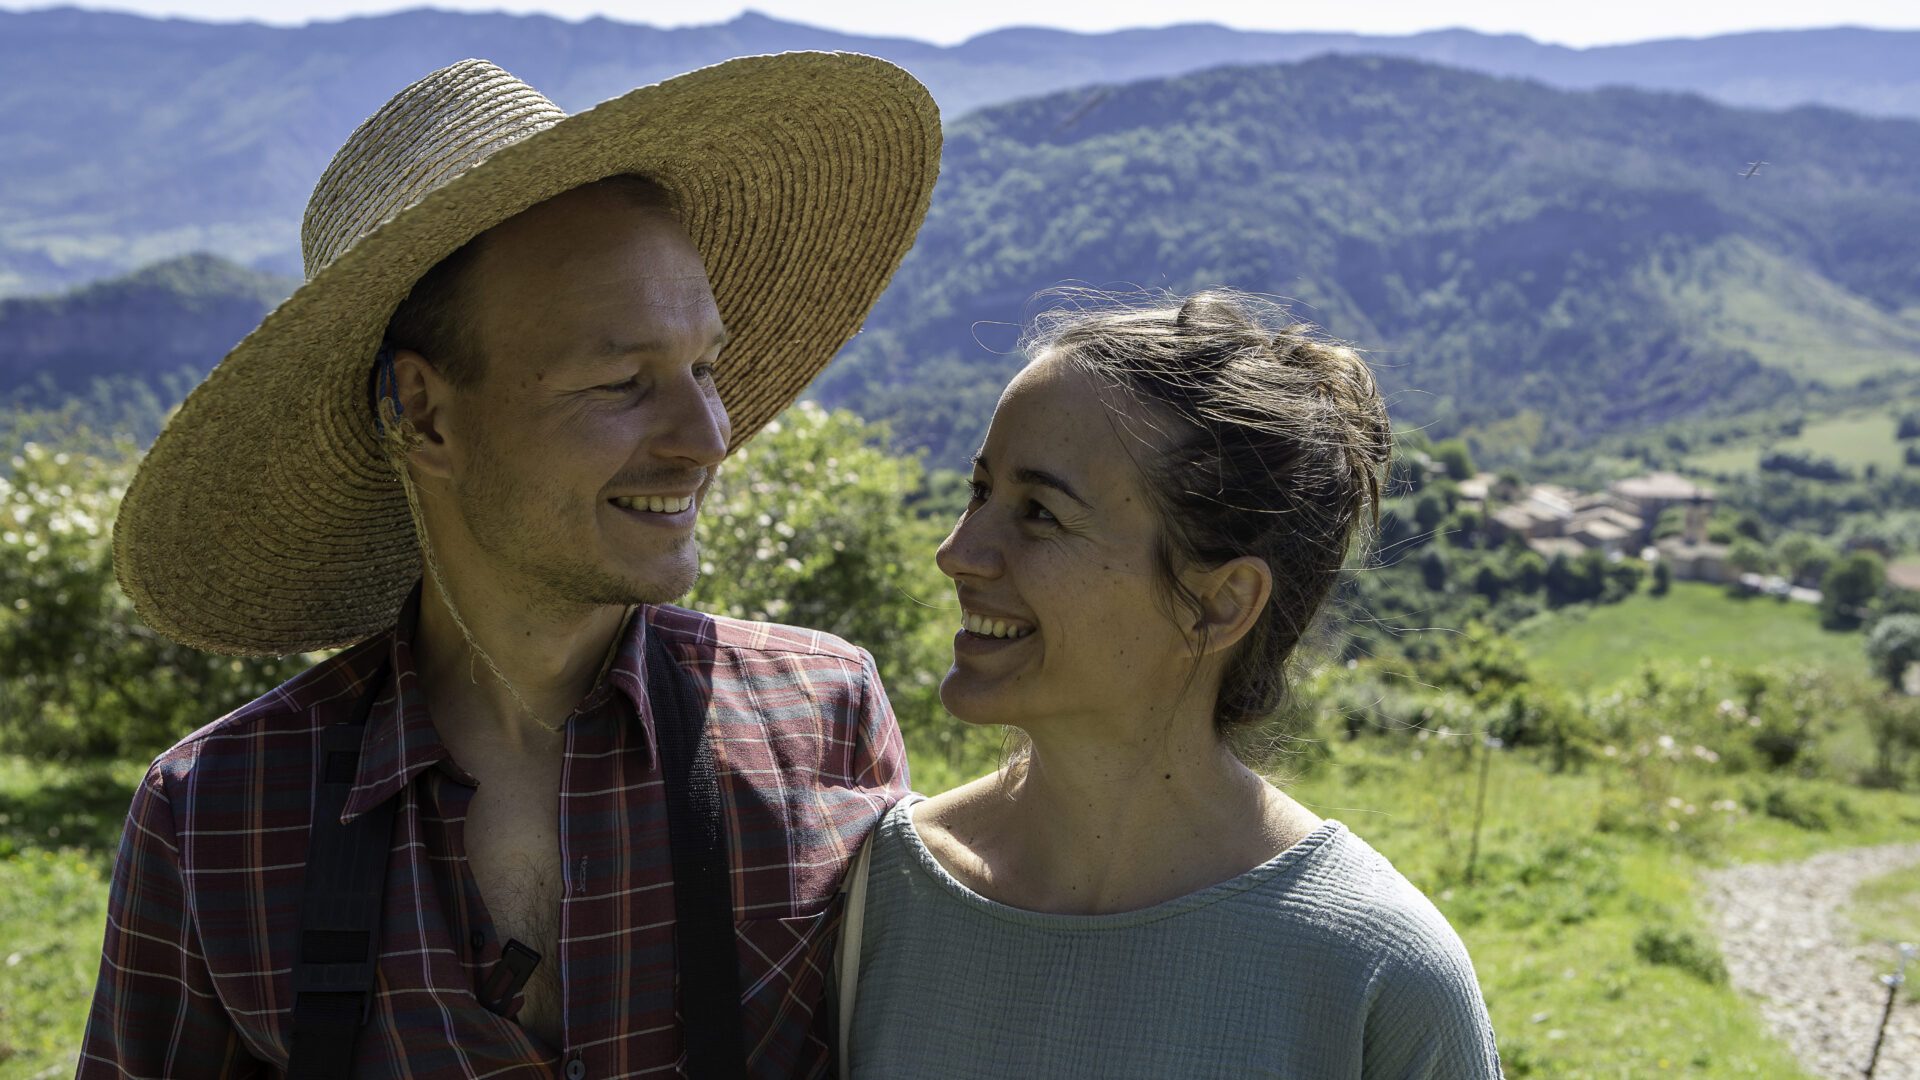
532,822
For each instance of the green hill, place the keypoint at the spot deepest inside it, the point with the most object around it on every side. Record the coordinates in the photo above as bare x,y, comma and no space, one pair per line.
1590,648
181,314
1500,247
129,139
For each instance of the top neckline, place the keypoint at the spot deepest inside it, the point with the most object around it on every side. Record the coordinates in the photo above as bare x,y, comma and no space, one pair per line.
1290,862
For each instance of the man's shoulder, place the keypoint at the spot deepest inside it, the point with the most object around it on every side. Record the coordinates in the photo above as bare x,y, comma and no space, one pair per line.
279,724
747,638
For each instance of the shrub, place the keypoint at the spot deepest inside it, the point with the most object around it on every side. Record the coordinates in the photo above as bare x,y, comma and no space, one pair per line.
1667,946
83,676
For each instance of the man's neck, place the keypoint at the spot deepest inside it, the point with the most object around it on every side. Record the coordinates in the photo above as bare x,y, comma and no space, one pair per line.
551,657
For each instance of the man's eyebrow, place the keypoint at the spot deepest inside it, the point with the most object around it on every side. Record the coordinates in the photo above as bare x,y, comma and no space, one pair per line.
1038,478
611,347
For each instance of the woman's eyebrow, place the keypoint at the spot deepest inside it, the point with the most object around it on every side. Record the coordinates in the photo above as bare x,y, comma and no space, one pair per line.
1037,477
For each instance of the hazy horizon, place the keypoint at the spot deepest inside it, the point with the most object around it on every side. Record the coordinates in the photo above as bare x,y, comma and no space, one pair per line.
946,25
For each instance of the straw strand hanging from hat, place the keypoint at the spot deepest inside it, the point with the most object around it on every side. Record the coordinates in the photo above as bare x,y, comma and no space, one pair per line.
398,439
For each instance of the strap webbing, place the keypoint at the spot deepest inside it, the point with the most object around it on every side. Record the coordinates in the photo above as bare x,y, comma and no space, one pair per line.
333,980
704,951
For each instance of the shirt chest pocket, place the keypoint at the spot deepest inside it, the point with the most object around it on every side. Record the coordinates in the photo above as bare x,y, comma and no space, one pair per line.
783,978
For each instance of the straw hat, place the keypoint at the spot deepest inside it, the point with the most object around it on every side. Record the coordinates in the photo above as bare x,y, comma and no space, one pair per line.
266,519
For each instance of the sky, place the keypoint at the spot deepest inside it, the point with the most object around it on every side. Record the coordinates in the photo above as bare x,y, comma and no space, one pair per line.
947,23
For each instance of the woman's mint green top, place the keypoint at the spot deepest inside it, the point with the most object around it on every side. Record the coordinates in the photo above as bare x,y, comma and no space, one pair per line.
1322,963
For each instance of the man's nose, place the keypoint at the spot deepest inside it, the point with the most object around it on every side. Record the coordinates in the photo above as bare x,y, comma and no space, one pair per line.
698,429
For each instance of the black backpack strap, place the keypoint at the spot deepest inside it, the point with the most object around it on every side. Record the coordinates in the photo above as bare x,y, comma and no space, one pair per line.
346,881
704,951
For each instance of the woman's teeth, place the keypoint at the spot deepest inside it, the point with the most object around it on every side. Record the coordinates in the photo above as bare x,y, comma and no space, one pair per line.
654,504
998,628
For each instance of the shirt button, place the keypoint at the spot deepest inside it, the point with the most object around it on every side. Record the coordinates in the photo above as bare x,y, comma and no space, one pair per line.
477,939
576,1069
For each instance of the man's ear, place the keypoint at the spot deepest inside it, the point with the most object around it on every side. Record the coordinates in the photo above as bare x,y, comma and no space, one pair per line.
1232,597
425,398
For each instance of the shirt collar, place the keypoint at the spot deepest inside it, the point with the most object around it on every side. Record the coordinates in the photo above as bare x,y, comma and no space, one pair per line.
401,742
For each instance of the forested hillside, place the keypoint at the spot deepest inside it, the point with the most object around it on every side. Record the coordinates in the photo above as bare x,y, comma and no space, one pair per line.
1569,262
128,140
173,317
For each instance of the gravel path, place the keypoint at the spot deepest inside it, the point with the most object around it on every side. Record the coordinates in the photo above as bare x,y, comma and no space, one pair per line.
1786,942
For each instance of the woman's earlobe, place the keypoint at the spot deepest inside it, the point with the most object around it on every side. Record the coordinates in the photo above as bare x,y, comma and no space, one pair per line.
1231,606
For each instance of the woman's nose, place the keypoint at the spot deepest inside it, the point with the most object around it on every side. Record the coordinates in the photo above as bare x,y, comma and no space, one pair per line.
968,551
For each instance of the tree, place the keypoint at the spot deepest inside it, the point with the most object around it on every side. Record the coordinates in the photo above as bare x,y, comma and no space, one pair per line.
1802,557
1909,427
1529,571
1453,455
807,524
1433,569
1893,646
1850,585
1488,581
1620,579
1662,578
1746,556
1429,510
1671,522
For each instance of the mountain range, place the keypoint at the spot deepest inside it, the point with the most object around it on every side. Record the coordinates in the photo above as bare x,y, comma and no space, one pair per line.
1568,262
1558,264
127,140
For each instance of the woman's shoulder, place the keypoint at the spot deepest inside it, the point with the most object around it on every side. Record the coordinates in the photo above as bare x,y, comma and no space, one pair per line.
1355,895
940,824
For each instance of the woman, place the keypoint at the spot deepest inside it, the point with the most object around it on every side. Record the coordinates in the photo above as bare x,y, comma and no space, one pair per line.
1163,503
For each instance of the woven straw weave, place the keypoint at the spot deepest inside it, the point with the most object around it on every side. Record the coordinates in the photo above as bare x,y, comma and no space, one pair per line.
265,519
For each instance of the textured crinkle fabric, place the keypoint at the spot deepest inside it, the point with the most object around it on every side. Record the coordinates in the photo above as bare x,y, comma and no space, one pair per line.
203,916
1323,963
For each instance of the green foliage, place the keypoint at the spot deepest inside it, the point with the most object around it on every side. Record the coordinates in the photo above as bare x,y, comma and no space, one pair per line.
1413,210
1894,645
1748,556
1683,949
1852,584
811,524
1662,578
83,676
1453,456
1802,558
1893,723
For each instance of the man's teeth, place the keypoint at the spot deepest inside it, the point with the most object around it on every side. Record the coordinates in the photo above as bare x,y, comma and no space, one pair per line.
985,627
655,504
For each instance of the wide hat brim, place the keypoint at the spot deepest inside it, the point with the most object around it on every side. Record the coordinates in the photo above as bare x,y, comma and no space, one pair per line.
266,519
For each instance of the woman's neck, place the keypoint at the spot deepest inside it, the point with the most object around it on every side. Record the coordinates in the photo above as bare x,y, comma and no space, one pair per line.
1087,826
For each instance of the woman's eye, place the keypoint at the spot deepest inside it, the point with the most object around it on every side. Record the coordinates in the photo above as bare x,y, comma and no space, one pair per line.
621,387
703,372
977,492
1041,513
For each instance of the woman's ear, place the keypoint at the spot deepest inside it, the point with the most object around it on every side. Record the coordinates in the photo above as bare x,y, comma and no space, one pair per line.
424,396
1232,597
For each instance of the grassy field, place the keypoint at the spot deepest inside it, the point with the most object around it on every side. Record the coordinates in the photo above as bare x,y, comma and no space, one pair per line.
1576,873
59,826
1560,902
1855,440
1886,911
1589,647
1739,295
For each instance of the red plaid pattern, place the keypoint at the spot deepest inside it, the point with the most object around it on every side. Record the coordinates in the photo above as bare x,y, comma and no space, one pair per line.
196,973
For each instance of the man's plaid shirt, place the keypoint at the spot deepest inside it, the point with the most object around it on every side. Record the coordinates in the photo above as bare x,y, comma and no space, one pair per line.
202,922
